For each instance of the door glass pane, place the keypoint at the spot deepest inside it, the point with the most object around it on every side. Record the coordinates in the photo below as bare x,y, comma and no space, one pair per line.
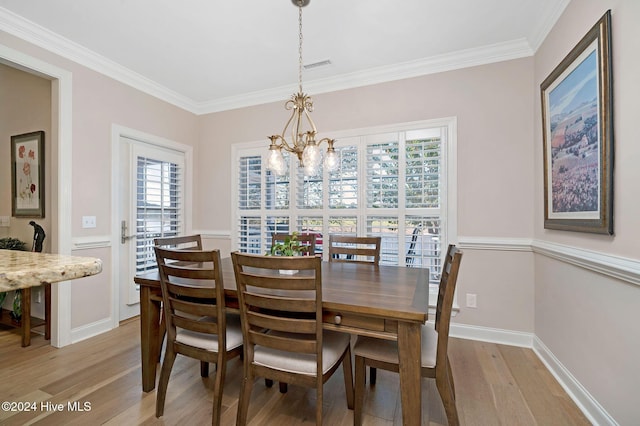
158,207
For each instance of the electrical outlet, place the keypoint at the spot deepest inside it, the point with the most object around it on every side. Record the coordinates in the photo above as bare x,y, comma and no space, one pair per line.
38,296
472,301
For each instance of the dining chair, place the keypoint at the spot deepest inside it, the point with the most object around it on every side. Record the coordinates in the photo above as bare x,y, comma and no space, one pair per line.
348,248
295,349
184,242
196,319
306,240
435,340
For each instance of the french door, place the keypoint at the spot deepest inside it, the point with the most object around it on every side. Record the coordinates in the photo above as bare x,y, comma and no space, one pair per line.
151,206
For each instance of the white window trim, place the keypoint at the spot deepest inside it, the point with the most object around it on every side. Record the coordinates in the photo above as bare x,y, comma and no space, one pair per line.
449,186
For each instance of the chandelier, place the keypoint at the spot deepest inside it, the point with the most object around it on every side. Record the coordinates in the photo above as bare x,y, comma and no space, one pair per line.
303,142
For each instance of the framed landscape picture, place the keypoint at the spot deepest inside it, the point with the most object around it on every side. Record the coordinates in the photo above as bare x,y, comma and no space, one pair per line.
27,175
577,120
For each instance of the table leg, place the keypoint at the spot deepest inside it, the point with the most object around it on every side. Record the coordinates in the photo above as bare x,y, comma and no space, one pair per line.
26,316
149,329
410,387
47,311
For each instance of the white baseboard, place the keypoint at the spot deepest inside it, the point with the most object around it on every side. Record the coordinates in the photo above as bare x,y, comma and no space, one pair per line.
492,335
583,399
91,330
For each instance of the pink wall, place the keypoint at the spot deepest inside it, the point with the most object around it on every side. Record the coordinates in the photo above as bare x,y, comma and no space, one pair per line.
586,320
493,105
589,321
98,102
25,108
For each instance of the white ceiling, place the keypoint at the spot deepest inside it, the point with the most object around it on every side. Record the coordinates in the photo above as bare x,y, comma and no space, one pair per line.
210,55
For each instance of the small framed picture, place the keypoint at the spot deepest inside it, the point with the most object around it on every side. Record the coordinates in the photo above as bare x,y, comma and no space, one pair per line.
577,119
27,175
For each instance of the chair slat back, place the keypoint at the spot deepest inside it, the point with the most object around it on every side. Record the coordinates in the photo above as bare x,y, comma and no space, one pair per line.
185,242
444,306
308,241
192,288
347,248
290,306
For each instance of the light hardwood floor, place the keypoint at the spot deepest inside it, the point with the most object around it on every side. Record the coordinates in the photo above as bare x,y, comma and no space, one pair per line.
495,385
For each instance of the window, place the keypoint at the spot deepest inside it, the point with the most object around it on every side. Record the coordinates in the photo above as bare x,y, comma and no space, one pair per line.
158,206
394,182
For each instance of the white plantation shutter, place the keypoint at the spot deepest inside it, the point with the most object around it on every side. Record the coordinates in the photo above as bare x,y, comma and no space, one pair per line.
312,225
249,234
383,173
385,227
277,189
423,244
250,183
343,184
423,169
390,184
159,206
309,190
277,224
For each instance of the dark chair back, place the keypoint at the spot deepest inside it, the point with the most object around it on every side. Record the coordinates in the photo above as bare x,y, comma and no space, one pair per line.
348,248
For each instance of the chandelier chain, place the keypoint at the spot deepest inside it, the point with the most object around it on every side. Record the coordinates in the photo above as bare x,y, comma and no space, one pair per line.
303,142
300,46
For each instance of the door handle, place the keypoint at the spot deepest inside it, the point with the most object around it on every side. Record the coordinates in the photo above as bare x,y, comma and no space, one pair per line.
123,232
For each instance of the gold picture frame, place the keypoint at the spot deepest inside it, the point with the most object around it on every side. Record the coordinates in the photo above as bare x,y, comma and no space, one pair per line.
577,120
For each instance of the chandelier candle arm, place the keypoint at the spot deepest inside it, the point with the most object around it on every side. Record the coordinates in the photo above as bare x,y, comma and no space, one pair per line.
303,143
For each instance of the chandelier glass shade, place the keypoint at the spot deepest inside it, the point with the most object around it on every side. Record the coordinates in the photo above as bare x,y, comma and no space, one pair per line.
302,129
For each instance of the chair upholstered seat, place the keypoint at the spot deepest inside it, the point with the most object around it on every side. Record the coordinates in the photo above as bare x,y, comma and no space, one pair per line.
387,350
435,364
209,342
333,347
282,327
196,318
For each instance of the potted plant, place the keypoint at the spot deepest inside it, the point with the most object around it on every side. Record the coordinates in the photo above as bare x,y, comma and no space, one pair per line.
9,243
289,247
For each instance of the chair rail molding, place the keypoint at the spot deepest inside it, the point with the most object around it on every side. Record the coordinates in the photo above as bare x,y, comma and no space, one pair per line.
90,242
492,243
622,268
618,267
221,234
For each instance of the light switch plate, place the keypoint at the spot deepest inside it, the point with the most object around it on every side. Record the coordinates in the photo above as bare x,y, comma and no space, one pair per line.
5,221
88,221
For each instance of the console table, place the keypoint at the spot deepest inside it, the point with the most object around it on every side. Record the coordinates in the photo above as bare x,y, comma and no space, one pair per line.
22,270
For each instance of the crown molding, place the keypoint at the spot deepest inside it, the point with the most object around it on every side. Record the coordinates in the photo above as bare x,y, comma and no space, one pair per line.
483,55
540,33
33,33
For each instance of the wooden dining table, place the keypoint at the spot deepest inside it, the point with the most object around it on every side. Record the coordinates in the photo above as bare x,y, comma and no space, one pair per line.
388,302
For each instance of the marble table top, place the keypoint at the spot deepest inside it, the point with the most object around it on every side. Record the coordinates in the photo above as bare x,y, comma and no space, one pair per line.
22,269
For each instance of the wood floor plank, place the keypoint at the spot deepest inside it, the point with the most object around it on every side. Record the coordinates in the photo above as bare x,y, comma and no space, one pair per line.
495,385
546,406
474,398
